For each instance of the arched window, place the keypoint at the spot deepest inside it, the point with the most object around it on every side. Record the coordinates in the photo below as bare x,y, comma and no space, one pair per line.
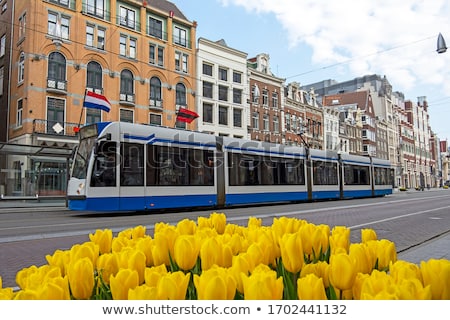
126,86
94,77
181,94
56,66
155,92
21,70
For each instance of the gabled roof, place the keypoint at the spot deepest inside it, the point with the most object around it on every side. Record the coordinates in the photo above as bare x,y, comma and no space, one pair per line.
361,98
167,6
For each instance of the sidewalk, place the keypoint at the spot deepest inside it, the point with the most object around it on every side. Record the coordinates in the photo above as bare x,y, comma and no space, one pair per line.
438,248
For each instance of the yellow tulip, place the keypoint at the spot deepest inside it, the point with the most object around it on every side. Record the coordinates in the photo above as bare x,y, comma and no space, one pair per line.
138,232
218,222
262,284
55,289
203,222
339,239
311,288
107,265
357,285
436,274
124,280
33,277
387,253
59,259
137,262
5,293
211,253
87,249
368,235
320,240
239,265
403,270
160,249
361,257
292,252
186,251
81,278
215,284
103,238
254,222
378,285
173,286
143,292
145,245
306,232
186,226
412,289
342,271
154,274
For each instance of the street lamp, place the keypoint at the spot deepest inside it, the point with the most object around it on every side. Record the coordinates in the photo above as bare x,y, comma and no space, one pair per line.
441,46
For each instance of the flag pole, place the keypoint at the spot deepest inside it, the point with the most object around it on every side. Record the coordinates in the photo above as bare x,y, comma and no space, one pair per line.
82,109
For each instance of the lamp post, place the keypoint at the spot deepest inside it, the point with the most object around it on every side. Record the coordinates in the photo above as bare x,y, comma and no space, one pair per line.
441,46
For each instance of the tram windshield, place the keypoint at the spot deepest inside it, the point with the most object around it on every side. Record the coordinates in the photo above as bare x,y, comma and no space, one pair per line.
88,138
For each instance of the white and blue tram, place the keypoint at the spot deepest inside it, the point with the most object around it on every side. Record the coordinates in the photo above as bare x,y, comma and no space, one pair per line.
130,167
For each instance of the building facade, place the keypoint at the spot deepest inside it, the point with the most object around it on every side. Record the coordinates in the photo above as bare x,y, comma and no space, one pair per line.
222,89
140,55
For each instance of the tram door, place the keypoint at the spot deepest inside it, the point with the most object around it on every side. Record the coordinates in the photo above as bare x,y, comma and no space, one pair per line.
131,182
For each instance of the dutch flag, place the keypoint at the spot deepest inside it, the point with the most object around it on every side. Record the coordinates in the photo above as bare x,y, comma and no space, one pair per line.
96,101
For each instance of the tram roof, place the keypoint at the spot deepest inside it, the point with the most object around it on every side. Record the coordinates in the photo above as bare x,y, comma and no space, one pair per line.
30,150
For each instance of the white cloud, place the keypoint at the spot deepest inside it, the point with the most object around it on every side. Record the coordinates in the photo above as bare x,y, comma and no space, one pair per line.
392,37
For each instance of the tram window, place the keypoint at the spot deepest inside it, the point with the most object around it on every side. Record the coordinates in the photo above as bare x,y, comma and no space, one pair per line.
325,173
382,176
131,164
247,170
356,175
172,166
104,169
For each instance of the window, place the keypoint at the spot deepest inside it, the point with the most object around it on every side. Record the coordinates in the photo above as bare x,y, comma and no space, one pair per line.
104,168
127,17
325,173
93,115
223,74
207,89
237,96
64,3
174,166
237,77
55,115
180,94
126,115
22,25
246,169
265,98
274,100
96,8
179,36
223,115
266,122
94,79
155,92
2,71
21,68
237,117
58,25
19,112
356,175
208,113
276,124
223,93
56,66
156,54
131,164
127,46
126,86
255,120
181,62
207,69
95,37
155,27
3,45
155,119
287,118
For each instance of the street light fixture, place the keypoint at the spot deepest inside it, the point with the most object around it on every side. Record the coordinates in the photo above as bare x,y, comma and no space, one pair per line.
441,46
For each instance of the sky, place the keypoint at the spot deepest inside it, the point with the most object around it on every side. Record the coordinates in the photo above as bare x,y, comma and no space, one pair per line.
314,40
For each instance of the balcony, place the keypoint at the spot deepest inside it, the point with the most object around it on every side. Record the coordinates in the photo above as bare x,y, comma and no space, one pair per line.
155,104
54,128
57,86
127,99
100,13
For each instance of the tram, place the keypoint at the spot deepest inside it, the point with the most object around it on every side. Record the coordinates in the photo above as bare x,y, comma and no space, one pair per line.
122,166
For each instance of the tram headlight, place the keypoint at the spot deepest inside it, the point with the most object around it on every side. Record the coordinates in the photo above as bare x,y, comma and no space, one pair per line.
80,189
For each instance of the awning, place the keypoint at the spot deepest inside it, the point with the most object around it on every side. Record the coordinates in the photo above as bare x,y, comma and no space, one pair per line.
30,150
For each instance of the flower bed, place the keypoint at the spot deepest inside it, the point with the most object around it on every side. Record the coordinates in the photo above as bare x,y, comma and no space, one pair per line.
212,259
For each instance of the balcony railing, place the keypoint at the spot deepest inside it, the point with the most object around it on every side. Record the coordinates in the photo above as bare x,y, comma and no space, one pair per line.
127,98
57,85
54,128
